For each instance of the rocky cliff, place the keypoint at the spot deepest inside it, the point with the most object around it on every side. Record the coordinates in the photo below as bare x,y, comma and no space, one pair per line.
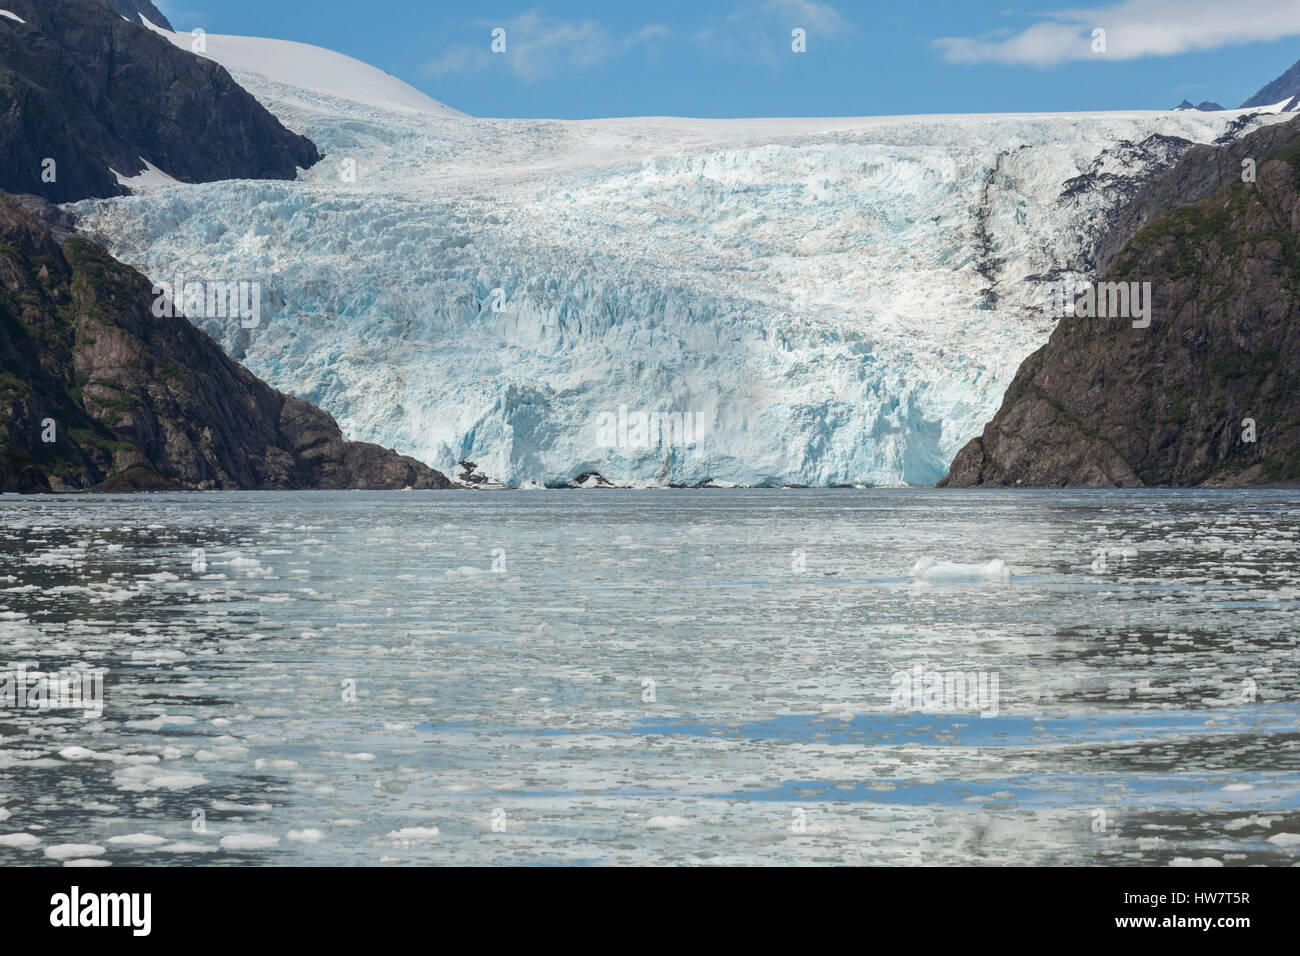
1200,173
1209,392
96,391
85,94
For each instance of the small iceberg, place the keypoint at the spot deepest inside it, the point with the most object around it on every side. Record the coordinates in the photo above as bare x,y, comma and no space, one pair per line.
943,572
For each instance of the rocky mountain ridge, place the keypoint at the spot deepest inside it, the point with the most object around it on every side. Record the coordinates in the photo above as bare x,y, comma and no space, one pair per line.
1209,392
88,98
133,10
97,392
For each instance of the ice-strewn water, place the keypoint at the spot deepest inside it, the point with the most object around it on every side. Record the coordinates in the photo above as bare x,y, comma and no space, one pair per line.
1145,709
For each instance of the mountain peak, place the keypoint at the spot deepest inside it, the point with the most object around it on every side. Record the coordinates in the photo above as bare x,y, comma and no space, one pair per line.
1286,86
137,11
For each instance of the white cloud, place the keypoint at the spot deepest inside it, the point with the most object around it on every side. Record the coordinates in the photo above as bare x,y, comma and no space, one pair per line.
809,15
538,46
760,32
1134,28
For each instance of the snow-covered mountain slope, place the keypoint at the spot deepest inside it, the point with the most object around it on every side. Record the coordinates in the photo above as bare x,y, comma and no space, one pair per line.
300,68
830,301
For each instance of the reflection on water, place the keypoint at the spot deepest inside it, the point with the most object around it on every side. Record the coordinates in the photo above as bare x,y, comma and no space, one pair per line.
656,677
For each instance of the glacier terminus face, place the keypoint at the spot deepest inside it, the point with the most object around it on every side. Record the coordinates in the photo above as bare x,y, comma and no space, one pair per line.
659,301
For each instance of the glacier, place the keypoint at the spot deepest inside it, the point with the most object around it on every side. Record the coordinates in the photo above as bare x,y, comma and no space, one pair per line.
835,301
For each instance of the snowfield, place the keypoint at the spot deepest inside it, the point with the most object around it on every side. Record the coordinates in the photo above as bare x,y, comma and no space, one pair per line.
304,68
834,301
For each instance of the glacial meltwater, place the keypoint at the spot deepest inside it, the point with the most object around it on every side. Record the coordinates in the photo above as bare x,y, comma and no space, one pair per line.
653,677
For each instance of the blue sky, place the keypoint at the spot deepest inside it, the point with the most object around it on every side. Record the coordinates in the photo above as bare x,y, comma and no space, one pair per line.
578,59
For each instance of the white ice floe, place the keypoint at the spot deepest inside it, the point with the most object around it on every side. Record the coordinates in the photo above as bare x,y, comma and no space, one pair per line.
464,571
187,847
66,851
413,834
137,840
248,841
274,763
1252,821
145,777
932,570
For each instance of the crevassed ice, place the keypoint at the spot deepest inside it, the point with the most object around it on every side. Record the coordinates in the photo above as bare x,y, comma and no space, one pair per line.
832,301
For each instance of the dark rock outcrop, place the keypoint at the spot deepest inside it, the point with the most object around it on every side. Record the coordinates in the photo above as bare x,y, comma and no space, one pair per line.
134,9
470,476
92,93
95,390
1201,172
1208,394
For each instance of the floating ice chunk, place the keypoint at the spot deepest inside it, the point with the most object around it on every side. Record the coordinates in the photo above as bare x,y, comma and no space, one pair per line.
1188,861
66,851
159,655
186,847
248,841
233,752
1255,821
267,763
137,840
306,836
932,570
409,834
86,861
20,841
140,777
667,823
465,571
242,807
1285,839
